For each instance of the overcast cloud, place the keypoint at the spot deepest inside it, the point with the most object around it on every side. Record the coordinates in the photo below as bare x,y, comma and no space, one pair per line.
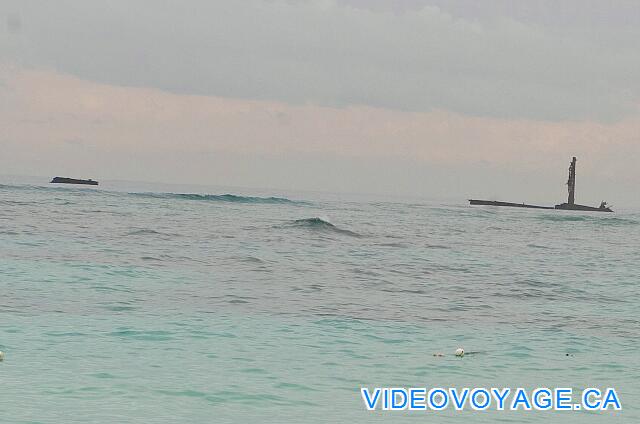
549,60
453,98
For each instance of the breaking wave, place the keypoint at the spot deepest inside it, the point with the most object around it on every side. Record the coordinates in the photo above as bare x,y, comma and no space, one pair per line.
319,224
230,198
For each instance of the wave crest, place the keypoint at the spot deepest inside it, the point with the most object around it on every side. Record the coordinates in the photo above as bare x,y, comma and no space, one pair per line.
231,198
319,224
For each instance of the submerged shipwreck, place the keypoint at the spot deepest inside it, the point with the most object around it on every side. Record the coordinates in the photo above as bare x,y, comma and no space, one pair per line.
571,205
65,180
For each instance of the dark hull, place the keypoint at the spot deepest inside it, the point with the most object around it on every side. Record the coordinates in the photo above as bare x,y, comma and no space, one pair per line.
563,206
64,180
571,205
574,207
507,204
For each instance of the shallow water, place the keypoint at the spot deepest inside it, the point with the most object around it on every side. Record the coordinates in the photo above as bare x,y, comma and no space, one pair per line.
126,304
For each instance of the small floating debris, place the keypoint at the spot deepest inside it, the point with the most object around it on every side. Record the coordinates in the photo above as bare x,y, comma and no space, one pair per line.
460,352
1,356
66,180
570,205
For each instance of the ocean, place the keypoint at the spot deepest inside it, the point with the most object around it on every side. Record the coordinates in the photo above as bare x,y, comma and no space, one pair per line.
163,304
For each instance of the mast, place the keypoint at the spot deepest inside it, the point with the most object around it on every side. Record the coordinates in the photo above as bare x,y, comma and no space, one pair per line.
572,182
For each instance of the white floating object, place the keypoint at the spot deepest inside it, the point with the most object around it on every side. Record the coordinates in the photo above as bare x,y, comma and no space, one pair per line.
1,356
459,351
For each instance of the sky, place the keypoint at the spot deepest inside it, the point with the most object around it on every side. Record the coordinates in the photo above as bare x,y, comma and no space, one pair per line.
431,98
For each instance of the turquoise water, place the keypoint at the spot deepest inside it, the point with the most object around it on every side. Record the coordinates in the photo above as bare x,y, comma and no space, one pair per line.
128,304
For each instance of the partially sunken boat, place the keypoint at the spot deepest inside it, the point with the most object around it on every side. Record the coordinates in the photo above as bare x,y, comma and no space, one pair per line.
571,205
65,180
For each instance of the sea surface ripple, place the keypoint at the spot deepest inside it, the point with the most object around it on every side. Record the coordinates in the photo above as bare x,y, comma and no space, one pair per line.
139,306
